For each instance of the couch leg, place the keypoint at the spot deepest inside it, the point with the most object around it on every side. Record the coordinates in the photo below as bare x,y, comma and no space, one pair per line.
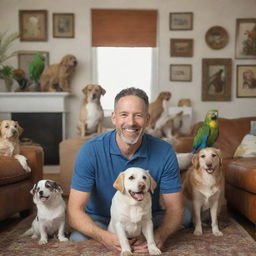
25,213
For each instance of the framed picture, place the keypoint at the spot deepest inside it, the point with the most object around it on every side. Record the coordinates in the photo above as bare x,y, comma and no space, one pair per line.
245,39
182,47
181,72
216,79
63,25
246,81
25,58
216,37
33,25
181,21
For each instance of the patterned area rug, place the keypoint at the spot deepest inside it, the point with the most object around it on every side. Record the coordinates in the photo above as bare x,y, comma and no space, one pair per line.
236,241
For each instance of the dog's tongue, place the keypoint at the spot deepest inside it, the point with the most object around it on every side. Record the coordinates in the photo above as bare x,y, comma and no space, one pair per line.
138,196
42,198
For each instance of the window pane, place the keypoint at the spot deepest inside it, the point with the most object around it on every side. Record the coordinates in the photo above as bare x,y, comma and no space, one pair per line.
119,68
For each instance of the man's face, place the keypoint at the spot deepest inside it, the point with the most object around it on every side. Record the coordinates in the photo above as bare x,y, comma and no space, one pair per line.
130,119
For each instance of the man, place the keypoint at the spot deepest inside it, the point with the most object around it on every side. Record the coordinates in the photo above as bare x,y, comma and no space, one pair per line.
102,158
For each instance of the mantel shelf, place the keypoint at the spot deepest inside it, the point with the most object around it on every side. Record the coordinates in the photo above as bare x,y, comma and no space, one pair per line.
30,102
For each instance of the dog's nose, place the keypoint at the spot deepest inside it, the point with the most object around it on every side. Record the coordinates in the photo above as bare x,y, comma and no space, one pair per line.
14,132
141,186
41,193
209,165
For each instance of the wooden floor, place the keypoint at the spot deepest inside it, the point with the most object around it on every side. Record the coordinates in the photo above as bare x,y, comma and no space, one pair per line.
8,224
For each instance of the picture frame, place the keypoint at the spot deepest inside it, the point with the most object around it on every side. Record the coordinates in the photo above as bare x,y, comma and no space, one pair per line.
216,79
181,47
33,25
63,25
181,72
245,46
181,21
216,37
25,58
246,81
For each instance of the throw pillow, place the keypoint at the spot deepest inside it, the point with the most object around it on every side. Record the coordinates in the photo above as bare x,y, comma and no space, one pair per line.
247,148
253,128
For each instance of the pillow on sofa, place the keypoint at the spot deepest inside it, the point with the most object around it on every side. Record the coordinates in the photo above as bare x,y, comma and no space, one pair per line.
247,148
253,128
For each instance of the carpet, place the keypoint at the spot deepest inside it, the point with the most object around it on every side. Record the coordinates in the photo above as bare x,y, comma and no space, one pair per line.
235,242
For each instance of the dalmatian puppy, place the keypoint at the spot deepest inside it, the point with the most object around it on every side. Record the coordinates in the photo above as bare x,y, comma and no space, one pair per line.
50,219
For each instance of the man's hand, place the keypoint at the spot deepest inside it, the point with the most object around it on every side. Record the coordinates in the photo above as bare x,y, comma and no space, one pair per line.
111,241
140,244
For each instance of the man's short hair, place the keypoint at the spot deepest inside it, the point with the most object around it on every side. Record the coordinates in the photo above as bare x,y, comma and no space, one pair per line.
132,91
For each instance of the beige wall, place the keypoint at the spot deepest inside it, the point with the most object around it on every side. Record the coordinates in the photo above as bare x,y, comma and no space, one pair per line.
207,13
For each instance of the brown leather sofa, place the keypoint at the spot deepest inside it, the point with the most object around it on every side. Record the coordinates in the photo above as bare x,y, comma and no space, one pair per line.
240,173
15,183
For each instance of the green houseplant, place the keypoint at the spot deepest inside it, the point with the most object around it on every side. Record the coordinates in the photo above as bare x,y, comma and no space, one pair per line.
6,71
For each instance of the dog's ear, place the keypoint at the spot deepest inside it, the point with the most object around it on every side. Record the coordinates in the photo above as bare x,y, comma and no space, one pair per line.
54,186
84,90
20,129
195,161
33,190
119,183
103,91
219,154
59,188
153,184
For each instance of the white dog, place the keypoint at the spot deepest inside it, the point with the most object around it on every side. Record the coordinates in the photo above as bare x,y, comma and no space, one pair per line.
131,209
50,211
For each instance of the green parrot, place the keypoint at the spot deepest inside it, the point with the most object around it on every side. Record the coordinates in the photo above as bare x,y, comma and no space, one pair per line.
36,67
208,133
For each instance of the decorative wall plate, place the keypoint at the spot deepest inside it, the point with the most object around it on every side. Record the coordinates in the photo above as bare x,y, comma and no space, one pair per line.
216,37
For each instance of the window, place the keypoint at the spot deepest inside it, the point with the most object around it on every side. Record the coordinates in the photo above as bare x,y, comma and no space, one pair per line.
124,47
117,68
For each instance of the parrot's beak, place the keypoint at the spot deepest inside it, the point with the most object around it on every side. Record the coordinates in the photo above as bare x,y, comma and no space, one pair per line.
214,116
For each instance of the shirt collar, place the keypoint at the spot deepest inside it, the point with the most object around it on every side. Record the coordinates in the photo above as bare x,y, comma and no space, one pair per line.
141,152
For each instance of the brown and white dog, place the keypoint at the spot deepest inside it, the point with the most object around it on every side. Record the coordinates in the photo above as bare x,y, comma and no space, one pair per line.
131,209
9,142
57,77
50,219
203,187
91,112
157,107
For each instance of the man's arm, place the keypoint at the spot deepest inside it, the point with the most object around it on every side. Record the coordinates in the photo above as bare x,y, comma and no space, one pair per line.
172,219
83,223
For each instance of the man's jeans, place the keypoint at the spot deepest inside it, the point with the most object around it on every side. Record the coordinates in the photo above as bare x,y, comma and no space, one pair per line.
103,222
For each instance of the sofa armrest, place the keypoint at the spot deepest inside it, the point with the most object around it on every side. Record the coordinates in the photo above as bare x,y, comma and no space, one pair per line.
183,144
35,157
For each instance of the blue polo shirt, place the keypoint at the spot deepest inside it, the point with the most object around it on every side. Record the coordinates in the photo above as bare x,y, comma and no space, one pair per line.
100,161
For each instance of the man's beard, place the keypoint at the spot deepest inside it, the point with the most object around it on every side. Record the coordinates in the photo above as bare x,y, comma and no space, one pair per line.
129,139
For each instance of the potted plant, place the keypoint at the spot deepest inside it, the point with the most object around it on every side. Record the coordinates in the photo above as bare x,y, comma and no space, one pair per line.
6,71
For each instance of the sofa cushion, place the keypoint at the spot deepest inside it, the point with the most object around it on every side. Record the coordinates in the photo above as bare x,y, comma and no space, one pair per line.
247,147
241,173
11,171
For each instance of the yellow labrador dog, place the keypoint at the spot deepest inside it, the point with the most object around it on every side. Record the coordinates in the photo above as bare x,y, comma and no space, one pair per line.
131,209
9,142
91,112
203,186
57,77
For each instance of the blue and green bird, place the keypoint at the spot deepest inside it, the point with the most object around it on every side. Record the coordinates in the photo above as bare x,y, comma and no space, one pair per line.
208,133
36,67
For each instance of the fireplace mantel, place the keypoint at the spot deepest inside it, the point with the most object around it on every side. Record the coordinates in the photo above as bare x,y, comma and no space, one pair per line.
35,102
31,102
